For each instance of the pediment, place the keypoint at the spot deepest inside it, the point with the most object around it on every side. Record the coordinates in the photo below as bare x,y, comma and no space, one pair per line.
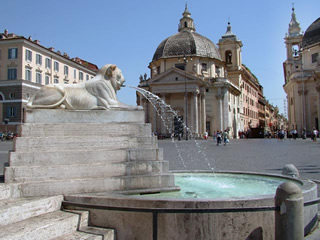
173,76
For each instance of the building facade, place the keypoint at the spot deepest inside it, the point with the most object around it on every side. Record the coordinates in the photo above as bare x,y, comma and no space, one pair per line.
207,85
302,75
25,66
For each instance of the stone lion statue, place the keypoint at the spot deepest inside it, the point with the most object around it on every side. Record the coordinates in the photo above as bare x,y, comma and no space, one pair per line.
97,93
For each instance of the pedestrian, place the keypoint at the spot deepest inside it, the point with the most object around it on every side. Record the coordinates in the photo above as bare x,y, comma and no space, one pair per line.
294,134
218,138
304,134
225,137
205,135
214,136
314,134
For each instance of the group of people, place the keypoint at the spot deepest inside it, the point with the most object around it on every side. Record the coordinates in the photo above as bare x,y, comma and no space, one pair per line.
219,136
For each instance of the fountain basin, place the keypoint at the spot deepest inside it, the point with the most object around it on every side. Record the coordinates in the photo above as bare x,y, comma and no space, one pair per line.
201,224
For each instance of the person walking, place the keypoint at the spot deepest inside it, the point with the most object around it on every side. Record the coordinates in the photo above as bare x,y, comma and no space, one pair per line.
225,137
218,138
314,134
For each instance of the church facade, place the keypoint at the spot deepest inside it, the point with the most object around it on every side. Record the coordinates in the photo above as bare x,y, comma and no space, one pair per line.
302,75
208,86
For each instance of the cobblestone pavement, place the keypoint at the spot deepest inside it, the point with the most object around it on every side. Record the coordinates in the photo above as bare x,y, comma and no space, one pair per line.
254,155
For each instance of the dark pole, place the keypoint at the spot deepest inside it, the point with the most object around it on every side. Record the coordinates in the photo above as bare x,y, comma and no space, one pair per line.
185,94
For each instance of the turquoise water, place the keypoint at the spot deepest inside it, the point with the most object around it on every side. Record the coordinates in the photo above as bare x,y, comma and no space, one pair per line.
220,185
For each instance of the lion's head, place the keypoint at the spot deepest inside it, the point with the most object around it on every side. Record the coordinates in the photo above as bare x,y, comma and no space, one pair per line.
113,74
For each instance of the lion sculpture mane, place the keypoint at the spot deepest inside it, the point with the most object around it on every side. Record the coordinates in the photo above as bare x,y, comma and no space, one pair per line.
96,93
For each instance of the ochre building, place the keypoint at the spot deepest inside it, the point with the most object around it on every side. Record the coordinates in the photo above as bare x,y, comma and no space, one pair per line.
26,65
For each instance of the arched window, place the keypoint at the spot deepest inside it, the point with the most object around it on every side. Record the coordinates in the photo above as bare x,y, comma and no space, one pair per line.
1,96
228,57
185,24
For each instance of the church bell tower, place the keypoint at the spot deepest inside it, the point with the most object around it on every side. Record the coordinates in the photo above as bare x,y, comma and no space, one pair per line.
230,50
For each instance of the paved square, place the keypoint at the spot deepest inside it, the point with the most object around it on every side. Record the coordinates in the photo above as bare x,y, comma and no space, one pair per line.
254,155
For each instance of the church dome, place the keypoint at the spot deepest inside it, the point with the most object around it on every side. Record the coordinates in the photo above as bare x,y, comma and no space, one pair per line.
312,35
186,42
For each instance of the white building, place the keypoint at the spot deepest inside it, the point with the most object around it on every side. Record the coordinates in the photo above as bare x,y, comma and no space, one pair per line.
302,75
202,82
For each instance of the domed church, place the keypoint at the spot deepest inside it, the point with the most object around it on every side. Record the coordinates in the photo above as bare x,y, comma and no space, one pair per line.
201,81
302,75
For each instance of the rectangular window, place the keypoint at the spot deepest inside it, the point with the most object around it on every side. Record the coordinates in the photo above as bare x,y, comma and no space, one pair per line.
28,55
11,111
48,63
39,77
315,57
75,74
38,59
204,67
87,77
180,66
12,73
56,66
66,70
12,53
47,79
28,74
80,76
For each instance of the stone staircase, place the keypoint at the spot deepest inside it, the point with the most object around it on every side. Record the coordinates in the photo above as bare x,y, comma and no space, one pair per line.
53,159
41,218
62,152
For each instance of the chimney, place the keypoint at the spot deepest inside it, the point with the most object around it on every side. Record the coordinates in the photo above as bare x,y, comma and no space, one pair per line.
6,31
36,41
51,49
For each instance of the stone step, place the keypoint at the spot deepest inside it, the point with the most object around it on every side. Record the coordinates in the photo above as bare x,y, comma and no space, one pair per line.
4,191
83,156
85,129
16,210
80,171
84,116
80,236
87,232
9,191
94,185
45,226
25,144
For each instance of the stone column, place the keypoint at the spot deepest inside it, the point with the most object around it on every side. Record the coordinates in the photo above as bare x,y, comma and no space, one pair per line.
318,105
203,113
146,109
195,113
186,113
200,115
302,115
154,120
219,97
163,129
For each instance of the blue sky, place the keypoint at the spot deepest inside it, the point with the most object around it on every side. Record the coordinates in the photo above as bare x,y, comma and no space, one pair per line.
127,33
